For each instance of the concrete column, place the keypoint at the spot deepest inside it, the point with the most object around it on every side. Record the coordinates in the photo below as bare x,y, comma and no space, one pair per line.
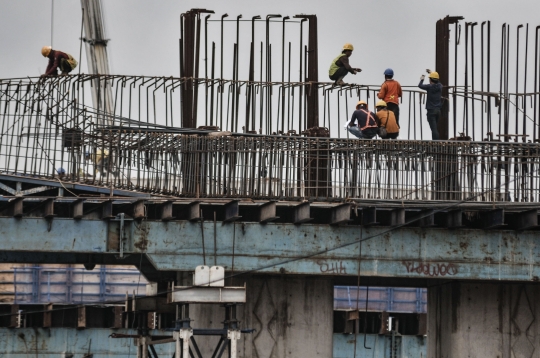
478,320
293,317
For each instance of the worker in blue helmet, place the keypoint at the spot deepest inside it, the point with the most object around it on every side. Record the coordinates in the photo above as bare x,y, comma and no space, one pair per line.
391,92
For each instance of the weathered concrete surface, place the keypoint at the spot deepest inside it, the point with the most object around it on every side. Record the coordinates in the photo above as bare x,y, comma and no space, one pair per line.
379,346
71,342
420,253
293,318
479,320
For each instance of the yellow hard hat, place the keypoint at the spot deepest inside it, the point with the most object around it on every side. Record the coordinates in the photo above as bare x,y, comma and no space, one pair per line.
381,103
434,75
46,50
348,46
361,102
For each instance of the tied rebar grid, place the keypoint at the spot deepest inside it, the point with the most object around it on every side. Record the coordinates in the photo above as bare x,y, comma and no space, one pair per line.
48,132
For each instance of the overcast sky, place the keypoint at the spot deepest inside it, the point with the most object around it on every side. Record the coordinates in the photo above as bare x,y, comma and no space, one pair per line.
144,34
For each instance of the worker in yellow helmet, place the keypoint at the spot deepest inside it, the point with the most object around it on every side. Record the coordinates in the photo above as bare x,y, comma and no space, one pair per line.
340,66
387,120
363,122
433,101
58,60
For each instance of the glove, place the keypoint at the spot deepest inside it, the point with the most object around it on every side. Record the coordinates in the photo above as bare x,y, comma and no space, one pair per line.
358,70
422,77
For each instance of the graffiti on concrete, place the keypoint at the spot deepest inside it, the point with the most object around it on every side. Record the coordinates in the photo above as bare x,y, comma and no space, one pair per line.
332,267
431,269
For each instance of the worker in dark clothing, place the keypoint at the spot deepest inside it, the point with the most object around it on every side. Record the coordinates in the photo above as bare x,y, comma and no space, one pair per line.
391,92
340,66
363,123
58,60
433,101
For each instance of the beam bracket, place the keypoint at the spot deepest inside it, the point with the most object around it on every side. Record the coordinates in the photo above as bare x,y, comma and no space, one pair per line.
301,213
231,211
267,212
340,214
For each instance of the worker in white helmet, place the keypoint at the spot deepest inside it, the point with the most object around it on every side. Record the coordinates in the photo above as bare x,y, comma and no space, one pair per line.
58,60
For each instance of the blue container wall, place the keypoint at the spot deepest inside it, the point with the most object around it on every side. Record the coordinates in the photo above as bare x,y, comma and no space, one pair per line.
379,346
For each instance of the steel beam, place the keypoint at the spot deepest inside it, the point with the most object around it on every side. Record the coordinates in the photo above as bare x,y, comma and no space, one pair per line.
285,248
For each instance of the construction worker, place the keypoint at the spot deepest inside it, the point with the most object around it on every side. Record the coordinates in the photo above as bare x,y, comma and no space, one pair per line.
363,123
387,120
340,66
433,101
391,92
58,60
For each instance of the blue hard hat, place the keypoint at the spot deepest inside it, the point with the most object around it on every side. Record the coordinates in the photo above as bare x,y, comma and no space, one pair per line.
389,72
61,171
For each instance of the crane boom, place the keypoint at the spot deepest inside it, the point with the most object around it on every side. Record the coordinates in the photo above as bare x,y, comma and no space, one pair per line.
96,54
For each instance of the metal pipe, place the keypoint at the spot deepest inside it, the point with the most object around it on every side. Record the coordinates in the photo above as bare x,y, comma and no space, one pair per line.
517,76
221,73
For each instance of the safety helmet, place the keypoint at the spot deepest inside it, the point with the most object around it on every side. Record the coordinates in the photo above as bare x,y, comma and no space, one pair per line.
361,102
348,46
389,72
46,50
381,103
61,171
434,75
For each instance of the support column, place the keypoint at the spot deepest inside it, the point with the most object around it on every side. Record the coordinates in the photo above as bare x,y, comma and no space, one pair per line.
293,317
484,320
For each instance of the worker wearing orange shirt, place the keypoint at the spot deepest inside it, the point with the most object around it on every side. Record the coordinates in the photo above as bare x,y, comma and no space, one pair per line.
391,92
386,120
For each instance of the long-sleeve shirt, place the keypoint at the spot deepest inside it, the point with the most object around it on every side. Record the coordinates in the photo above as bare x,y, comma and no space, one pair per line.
54,62
434,94
367,122
387,119
390,91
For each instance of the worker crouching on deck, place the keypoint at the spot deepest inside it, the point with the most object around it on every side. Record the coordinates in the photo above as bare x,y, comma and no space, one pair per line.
58,60
340,66
363,123
388,127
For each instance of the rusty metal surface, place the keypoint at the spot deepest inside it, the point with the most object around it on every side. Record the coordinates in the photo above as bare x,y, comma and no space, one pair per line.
276,166
311,250
69,342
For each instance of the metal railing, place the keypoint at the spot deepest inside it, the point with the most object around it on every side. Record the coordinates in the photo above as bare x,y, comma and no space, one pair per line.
47,131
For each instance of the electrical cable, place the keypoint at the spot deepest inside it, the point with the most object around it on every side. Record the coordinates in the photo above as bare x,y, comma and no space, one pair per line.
284,262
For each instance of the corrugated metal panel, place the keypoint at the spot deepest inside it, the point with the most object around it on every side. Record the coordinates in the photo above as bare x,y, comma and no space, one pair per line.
390,299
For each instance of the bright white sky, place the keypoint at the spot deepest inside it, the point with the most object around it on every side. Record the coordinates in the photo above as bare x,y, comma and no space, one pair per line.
144,34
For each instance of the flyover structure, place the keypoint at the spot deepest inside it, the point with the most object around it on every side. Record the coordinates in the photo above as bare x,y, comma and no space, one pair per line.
287,216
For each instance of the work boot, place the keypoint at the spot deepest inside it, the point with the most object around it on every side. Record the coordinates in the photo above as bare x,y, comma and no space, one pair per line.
339,83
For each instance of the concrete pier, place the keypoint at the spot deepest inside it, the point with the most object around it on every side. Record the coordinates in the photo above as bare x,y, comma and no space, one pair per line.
479,320
293,317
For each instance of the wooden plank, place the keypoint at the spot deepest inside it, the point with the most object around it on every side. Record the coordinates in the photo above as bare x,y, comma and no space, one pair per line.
81,317
47,316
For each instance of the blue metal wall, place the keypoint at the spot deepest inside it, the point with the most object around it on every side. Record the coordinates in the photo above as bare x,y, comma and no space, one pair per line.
69,285
389,299
379,346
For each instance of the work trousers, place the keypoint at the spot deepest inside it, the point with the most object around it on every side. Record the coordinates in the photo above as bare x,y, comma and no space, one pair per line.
354,130
394,108
340,73
391,136
65,67
433,120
